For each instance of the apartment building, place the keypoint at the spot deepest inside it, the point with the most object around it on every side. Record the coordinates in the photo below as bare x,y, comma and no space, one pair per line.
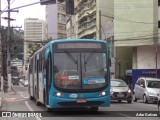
34,32
72,27
56,20
94,18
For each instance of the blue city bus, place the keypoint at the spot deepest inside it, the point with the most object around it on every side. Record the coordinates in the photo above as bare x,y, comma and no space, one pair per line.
71,73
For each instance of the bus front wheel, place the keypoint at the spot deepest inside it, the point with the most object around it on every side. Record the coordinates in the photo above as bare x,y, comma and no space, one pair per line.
48,109
95,109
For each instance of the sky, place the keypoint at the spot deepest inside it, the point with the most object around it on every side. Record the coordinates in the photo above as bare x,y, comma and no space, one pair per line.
34,11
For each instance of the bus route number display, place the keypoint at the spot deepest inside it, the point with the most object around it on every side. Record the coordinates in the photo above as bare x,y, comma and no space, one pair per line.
78,45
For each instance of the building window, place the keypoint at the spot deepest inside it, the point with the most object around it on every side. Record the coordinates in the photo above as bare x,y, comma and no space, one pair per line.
158,24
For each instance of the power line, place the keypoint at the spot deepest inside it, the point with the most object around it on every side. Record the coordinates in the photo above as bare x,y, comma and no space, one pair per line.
124,19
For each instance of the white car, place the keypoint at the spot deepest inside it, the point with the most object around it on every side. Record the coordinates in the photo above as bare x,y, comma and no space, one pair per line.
147,89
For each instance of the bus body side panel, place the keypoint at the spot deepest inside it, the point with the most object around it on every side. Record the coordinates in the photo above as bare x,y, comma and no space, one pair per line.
32,81
40,88
31,78
40,80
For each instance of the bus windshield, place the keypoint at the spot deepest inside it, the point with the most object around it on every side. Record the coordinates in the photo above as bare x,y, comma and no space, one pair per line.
80,71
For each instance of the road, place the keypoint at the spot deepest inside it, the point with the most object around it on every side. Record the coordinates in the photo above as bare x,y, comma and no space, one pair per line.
120,111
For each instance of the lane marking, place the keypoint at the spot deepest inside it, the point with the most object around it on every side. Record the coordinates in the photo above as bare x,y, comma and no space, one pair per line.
29,107
123,115
21,94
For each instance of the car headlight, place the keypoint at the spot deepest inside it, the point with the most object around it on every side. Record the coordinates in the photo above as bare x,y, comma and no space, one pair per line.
129,91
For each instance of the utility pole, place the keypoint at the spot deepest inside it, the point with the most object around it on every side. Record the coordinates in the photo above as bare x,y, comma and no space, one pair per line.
8,51
1,54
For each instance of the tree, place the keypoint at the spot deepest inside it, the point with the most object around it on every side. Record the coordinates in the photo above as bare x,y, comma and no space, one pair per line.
17,43
33,48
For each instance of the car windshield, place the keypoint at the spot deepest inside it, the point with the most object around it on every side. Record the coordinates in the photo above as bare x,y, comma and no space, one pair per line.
118,83
153,84
69,74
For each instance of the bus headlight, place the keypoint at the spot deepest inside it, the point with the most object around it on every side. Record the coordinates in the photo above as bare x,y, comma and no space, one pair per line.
103,94
58,94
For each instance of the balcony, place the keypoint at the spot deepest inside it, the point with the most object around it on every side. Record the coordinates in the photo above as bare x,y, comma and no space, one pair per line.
87,25
90,7
89,28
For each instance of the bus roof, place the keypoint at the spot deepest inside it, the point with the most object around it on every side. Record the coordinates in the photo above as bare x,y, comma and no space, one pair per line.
69,40
77,40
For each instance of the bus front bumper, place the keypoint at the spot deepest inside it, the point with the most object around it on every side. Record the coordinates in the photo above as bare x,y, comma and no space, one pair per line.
57,102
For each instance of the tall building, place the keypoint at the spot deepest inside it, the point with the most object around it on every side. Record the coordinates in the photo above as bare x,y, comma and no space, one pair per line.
34,32
94,18
56,20
72,27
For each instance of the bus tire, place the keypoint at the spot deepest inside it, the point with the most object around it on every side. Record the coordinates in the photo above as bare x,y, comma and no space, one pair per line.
48,109
95,109
36,98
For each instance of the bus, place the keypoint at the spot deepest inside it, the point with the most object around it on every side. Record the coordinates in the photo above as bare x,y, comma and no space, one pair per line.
71,73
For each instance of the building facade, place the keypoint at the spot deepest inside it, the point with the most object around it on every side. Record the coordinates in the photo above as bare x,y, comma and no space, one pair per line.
94,19
56,20
131,28
136,34
34,32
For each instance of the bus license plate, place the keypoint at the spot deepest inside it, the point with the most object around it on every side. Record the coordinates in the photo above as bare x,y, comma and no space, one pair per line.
81,101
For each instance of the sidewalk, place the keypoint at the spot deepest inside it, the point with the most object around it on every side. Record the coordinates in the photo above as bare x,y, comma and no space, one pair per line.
5,95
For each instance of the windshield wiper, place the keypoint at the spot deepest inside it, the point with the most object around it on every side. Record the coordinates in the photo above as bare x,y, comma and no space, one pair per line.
88,58
71,57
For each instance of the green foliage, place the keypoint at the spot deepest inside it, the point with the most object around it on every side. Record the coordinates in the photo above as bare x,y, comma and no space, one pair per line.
16,47
33,48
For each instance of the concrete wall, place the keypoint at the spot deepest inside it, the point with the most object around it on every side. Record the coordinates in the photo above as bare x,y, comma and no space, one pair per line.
135,21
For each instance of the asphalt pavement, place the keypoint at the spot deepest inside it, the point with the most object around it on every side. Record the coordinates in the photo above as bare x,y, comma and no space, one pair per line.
21,102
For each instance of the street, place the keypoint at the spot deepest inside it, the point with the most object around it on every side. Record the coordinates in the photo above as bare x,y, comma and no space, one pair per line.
21,102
